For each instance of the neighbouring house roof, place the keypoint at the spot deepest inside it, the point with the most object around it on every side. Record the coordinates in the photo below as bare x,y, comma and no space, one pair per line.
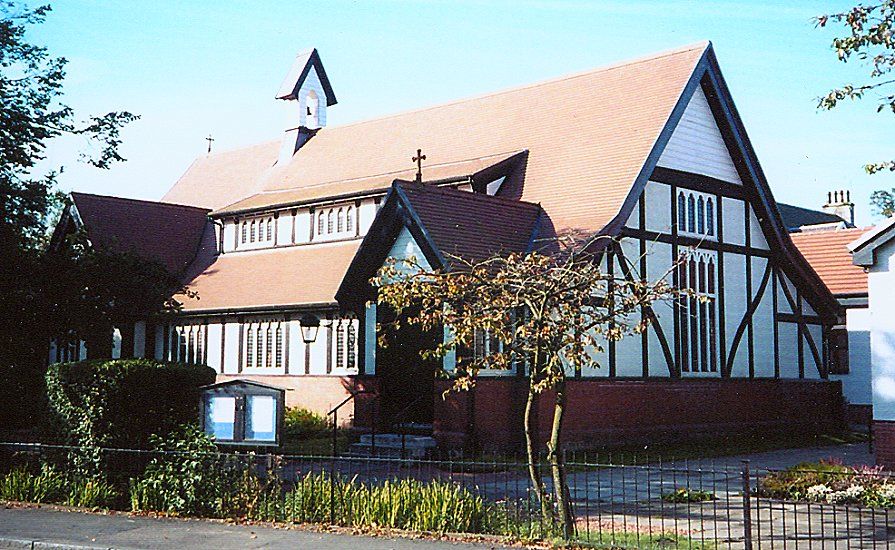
796,217
284,277
170,234
447,224
588,135
828,254
863,249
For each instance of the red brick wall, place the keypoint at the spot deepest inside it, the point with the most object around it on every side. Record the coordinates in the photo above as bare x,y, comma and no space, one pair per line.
604,412
884,443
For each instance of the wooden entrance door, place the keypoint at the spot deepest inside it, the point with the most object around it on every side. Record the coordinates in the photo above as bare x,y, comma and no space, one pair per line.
407,381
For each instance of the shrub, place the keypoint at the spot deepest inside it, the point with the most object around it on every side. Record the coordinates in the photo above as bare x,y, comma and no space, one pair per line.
91,493
120,403
190,477
301,423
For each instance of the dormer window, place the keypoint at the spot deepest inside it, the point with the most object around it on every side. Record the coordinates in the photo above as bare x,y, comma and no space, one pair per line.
349,219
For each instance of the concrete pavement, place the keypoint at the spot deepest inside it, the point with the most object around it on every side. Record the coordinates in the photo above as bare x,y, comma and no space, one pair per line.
63,529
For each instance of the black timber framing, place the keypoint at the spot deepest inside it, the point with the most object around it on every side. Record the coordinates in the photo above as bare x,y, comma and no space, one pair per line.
747,235
644,316
720,287
675,277
694,242
697,182
776,322
610,267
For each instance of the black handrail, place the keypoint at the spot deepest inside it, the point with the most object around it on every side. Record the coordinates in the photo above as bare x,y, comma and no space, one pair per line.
398,417
335,414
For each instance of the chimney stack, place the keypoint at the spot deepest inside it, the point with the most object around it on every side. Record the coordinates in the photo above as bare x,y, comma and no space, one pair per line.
839,204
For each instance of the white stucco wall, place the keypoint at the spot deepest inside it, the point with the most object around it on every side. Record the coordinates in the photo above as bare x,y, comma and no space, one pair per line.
856,385
881,281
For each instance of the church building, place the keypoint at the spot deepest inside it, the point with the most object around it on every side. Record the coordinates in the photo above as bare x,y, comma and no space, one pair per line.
282,238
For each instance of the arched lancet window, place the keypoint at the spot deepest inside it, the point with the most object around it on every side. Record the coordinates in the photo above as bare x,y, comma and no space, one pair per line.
259,343
190,345
245,231
681,212
279,344
710,216
312,112
269,229
352,342
713,345
340,221
340,345
200,344
330,221
320,223
683,305
182,345
252,232
694,318
250,347
691,214
703,321
268,357
700,215
349,219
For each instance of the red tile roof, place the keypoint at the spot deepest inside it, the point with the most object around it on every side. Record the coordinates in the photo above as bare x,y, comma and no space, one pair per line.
469,225
828,254
280,277
588,137
167,233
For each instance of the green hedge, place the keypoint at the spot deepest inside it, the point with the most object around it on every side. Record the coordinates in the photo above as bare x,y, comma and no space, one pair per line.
122,402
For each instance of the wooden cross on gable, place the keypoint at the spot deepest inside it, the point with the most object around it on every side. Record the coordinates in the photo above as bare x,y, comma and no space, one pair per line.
418,159
209,139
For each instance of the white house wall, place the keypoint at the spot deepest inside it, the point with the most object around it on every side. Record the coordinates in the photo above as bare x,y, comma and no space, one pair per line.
697,145
856,384
762,322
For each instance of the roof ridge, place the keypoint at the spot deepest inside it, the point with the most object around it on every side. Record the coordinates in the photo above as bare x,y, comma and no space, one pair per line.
144,201
389,173
448,190
603,68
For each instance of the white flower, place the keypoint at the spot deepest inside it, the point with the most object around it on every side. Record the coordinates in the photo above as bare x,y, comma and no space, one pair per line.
818,492
887,490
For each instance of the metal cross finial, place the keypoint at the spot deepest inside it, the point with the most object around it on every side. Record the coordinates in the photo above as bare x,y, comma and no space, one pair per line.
418,159
209,139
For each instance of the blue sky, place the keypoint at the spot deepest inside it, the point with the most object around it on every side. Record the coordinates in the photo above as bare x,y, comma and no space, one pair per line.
194,68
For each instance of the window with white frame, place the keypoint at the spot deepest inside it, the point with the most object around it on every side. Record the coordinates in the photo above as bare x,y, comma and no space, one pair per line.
257,230
336,222
187,343
695,213
697,313
344,344
264,344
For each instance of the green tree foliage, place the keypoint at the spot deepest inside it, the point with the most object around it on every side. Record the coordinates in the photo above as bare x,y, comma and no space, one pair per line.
551,314
32,114
120,403
869,39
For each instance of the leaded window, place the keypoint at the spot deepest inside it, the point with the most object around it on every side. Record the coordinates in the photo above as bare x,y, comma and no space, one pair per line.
697,314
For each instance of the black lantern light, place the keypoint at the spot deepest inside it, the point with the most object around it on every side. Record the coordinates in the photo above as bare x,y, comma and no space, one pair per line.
310,324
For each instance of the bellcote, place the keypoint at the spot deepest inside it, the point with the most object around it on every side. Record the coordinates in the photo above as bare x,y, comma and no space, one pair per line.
306,93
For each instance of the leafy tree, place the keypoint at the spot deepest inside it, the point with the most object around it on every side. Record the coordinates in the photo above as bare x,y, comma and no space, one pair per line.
551,314
883,202
31,115
868,38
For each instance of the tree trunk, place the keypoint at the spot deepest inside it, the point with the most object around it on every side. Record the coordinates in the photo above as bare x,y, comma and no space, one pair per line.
560,489
534,471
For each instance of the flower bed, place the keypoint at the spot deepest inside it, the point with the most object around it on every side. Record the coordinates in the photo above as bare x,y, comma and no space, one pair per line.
831,482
